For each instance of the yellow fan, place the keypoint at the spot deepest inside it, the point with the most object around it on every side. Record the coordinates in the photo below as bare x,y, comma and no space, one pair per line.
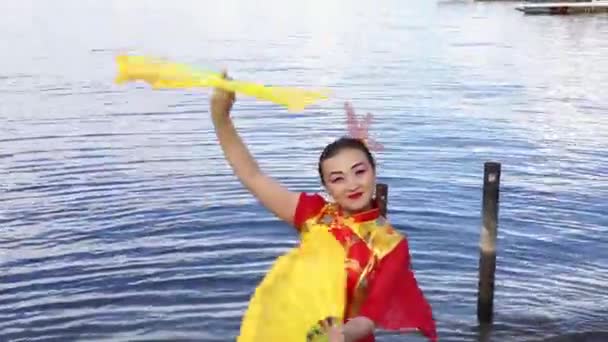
163,74
306,285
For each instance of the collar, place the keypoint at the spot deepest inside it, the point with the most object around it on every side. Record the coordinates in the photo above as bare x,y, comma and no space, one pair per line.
364,216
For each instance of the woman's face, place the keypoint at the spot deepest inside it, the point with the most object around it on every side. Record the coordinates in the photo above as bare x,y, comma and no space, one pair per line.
350,179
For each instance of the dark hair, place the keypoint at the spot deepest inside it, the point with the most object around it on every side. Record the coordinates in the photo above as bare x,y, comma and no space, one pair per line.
344,143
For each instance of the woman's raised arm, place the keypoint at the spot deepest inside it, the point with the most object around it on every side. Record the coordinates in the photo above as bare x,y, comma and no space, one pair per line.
274,196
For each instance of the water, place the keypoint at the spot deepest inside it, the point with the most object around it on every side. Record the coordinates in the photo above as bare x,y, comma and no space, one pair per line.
121,220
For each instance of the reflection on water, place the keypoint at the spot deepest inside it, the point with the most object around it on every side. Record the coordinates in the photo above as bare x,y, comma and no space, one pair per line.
122,220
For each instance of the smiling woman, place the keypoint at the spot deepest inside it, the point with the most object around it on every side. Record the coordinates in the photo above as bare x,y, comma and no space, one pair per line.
381,290
348,172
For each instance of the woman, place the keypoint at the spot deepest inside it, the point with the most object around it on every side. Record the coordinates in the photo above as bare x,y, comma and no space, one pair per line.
381,289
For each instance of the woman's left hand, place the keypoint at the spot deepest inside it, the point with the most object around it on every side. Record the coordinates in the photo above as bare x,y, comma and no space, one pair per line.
335,333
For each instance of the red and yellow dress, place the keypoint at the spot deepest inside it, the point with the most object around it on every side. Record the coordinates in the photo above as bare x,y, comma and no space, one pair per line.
380,283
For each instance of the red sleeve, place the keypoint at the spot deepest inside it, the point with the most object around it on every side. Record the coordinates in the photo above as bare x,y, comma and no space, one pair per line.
308,206
394,301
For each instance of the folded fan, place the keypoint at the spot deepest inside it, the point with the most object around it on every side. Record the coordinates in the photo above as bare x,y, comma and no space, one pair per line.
162,74
304,286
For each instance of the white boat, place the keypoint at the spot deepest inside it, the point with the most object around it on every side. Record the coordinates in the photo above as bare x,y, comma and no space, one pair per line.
570,7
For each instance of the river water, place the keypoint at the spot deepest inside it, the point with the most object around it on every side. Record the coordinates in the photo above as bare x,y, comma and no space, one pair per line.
121,221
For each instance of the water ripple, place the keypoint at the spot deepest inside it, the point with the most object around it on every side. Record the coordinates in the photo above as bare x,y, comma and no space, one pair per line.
122,221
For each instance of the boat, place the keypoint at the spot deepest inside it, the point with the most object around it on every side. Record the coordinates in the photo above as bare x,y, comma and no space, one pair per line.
570,7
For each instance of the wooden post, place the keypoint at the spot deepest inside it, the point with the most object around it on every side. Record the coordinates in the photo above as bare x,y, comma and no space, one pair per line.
487,243
382,198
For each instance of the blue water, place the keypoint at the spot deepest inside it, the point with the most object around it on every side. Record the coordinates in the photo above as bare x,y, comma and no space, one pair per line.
120,219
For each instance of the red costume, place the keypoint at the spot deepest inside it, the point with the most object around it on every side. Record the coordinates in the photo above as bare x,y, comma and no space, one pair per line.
380,283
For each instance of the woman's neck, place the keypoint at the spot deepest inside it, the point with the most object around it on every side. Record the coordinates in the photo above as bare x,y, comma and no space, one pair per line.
348,213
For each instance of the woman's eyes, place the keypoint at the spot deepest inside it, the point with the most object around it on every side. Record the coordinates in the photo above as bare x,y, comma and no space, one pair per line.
339,179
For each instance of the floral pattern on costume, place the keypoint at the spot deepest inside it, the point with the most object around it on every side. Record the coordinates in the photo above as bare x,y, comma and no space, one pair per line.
380,283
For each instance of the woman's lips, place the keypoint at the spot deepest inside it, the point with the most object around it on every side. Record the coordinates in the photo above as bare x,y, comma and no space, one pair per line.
355,195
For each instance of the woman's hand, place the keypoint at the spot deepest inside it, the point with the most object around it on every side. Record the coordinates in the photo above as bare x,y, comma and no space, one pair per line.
357,328
221,101
334,332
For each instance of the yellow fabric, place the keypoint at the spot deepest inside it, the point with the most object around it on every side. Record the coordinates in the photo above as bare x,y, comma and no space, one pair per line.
304,286
381,238
378,234
162,74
